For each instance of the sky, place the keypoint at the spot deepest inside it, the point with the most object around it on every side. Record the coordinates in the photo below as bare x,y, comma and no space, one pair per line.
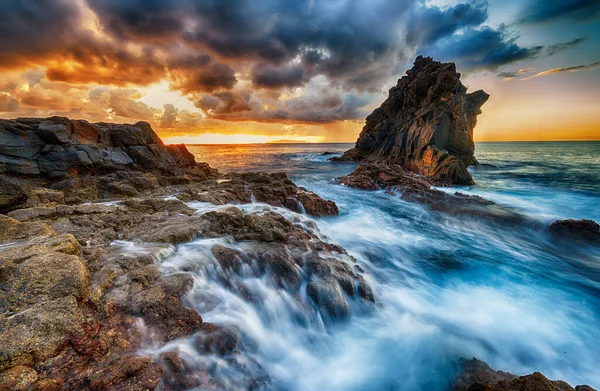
237,71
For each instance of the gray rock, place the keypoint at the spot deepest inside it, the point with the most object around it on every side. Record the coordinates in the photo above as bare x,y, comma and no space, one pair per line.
18,166
55,133
11,194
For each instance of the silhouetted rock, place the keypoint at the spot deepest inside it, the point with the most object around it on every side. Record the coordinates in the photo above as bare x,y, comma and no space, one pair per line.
579,229
425,125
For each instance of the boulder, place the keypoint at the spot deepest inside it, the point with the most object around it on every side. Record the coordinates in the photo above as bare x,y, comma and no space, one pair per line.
425,125
129,372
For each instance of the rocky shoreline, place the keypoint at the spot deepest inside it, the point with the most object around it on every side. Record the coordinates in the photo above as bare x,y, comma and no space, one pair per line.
72,297
89,213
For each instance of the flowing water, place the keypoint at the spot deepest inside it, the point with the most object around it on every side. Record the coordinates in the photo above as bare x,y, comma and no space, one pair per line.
445,287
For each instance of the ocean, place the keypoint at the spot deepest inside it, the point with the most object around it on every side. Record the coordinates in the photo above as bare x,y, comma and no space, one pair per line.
445,287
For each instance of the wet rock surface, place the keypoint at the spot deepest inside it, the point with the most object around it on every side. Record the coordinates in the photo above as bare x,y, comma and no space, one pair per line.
89,272
476,375
418,189
90,212
586,230
425,125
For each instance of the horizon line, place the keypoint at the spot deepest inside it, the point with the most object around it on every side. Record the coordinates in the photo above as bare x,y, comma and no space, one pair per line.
353,142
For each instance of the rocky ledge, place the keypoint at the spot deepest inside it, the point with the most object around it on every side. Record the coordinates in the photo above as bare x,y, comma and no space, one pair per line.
58,160
476,375
89,213
425,125
417,189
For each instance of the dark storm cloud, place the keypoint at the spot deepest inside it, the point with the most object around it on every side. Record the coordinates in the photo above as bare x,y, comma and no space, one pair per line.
234,59
483,49
559,47
141,19
270,76
539,11
429,24
213,77
32,29
225,103
341,38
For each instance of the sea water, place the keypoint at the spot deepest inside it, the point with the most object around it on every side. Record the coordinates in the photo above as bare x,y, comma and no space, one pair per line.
445,287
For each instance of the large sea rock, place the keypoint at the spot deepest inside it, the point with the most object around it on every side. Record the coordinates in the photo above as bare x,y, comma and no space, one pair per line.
425,125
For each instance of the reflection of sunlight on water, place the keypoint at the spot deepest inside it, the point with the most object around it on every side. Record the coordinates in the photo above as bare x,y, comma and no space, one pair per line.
263,157
237,139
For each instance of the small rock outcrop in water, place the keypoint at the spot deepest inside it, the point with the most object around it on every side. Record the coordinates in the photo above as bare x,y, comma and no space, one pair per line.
587,230
416,189
476,375
425,125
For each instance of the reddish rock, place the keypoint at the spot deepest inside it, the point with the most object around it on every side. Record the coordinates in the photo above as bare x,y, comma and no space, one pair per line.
129,372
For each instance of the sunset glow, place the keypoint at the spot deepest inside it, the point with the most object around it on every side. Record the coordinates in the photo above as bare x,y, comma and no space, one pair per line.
239,138
305,71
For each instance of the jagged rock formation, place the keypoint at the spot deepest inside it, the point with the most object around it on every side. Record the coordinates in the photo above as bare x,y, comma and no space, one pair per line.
425,125
62,161
57,146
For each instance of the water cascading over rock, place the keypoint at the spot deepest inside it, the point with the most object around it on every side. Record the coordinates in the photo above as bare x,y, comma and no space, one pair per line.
425,125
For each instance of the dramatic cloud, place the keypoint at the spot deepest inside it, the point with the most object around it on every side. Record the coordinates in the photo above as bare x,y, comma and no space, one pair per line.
427,25
8,103
31,30
483,49
123,103
269,76
209,78
268,61
158,20
546,11
576,68
169,117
